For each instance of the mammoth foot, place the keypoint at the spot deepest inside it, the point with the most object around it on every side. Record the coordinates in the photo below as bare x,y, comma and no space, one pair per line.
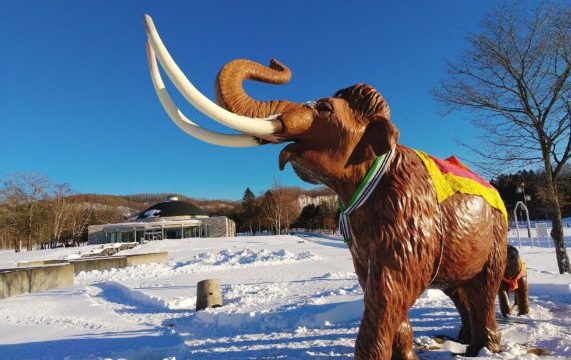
523,311
464,335
411,355
506,312
474,350
402,343
489,340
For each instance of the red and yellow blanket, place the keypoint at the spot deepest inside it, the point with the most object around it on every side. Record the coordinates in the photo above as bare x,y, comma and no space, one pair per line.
451,176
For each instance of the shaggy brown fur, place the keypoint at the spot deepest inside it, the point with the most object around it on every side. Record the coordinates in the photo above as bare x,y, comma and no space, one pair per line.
514,265
399,231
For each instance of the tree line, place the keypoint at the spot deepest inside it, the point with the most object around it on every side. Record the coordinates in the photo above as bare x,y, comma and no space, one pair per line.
37,214
278,211
532,185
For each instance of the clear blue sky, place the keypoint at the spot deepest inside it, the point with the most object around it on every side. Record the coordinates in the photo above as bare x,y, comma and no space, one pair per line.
77,103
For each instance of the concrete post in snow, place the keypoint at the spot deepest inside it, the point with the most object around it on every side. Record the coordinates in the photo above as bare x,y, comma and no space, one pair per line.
208,294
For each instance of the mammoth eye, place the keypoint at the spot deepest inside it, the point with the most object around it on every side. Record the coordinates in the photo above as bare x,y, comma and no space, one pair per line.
324,107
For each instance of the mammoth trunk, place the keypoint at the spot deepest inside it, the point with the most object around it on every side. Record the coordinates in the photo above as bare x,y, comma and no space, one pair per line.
231,95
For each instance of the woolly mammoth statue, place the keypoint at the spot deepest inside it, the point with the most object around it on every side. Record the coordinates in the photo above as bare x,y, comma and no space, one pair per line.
514,281
411,220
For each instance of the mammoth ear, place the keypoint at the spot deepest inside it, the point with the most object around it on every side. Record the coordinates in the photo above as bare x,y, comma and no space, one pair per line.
380,135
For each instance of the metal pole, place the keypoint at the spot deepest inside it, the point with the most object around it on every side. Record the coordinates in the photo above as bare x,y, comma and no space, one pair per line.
522,205
528,225
516,224
525,204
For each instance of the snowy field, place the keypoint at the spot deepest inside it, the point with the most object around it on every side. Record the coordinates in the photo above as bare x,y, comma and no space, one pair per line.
285,297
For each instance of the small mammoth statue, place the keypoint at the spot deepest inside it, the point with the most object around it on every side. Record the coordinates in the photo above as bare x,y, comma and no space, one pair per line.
514,281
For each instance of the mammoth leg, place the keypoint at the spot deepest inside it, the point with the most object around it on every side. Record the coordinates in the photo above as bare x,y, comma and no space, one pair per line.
521,296
460,300
505,307
481,295
402,343
483,318
385,310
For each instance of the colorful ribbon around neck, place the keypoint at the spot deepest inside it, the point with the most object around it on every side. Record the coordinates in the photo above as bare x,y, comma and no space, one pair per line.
362,193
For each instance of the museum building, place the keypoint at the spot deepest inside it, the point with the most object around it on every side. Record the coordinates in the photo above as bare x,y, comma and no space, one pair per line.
170,219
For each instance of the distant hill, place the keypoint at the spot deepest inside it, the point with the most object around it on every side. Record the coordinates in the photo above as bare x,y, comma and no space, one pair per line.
131,204
135,203
110,200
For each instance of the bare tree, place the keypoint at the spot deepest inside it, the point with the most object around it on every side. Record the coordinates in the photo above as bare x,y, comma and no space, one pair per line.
271,210
279,207
25,192
291,210
81,215
5,223
514,79
59,210
13,218
330,216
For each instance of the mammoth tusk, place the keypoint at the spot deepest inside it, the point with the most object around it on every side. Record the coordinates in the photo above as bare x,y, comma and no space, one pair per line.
185,124
254,126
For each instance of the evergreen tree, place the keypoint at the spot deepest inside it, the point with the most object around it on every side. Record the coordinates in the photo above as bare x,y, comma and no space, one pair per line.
249,210
309,218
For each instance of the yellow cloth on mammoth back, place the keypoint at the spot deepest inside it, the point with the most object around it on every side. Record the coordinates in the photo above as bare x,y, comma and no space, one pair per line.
450,176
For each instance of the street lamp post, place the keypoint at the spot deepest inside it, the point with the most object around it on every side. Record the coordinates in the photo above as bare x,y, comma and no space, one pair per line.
521,190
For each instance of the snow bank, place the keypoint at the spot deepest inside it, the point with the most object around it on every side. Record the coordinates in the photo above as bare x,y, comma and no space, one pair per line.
285,297
202,262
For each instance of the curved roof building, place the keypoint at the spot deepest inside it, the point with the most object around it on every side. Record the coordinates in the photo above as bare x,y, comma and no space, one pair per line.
171,209
170,219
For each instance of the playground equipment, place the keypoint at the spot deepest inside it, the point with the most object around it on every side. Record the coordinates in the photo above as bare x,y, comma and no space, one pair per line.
518,205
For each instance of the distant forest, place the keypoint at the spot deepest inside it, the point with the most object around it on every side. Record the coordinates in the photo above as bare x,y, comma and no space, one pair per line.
532,183
36,214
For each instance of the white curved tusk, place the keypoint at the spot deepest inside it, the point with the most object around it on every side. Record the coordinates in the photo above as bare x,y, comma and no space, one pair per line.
185,124
254,126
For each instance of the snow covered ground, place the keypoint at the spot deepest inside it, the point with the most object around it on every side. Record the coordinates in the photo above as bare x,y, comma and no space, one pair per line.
285,297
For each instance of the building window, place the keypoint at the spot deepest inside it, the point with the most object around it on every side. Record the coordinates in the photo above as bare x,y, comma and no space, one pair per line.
153,234
173,233
127,236
188,232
